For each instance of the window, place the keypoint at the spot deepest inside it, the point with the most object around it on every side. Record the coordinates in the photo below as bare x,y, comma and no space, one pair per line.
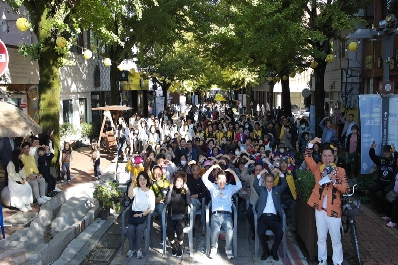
342,48
83,110
67,112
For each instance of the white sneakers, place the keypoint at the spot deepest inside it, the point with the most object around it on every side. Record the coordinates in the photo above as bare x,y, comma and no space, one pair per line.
230,255
45,198
41,201
213,253
130,253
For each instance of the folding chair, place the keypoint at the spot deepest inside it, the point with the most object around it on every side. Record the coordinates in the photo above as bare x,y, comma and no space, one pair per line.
269,232
187,230
147,233
235,233
2,223
202,212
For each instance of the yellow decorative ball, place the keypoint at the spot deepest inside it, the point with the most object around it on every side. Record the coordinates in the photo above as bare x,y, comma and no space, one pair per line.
22,24
329,58
269,79
353,46
87,54
284,77
314,64
277,79
61,42
107,62
292,74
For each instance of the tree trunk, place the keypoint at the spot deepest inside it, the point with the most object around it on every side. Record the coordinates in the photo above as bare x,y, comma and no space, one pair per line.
271,95
286,103
319,95
114,79
49,86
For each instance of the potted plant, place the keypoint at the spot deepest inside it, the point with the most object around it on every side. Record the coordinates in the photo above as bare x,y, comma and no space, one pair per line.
107,194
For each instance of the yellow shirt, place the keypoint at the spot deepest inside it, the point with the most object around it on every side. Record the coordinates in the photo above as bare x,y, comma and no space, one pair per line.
134,172
29,164
257,134
219,135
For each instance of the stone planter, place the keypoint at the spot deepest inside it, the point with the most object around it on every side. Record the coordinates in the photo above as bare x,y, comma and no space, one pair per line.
306,228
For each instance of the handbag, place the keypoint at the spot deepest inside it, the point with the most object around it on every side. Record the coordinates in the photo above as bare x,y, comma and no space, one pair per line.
134,220
391,196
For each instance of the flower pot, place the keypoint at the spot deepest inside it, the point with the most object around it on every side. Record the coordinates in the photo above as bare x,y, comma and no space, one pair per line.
104,213
306,228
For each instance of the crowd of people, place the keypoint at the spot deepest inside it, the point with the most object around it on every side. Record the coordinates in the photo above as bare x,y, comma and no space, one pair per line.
216,153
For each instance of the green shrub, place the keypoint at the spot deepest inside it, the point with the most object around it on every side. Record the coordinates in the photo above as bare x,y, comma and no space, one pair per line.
88,129
305,183
66,129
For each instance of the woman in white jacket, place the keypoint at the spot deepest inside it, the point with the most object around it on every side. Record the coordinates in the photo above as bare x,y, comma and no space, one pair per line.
20,191
142,136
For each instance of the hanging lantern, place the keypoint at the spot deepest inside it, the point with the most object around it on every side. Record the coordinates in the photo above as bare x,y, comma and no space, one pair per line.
353,46
61,42
22,24
329,58
284,77
87,54
292,74
314,64
107,62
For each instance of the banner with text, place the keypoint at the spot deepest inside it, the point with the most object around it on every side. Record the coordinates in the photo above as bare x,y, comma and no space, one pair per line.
370,107
393,121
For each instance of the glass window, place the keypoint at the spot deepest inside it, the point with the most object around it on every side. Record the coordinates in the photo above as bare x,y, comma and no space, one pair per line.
83,110
67,112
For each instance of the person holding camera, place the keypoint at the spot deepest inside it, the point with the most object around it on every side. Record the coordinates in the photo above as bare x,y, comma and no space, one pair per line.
177,200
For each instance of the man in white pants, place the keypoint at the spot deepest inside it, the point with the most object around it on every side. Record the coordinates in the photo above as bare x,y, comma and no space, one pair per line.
330,183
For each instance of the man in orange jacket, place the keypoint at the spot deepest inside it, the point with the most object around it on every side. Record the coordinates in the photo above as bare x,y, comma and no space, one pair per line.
330,183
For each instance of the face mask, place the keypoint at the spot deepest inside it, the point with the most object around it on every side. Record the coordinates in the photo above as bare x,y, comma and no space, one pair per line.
246,126
183,163
354,131
281,150
276,164
237,153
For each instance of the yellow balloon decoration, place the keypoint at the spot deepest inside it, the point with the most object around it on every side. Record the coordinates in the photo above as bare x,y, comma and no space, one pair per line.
277,79
132,71
219,97
120,68
329,58
314,64
61,42
22,24
269,79
292,74
284,77
87,54
353,46
107,62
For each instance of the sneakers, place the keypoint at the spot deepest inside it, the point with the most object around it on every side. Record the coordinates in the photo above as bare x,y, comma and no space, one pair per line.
386,218
130,253
62,181
391,224
57,189
322,262
139,254
68,181
213,253
230,255
45,198
179,251
174,250
41,201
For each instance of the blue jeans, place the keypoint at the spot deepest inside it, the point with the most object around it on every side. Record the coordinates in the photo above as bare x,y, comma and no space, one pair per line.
65,169
159,209
97,170
120,146
223,220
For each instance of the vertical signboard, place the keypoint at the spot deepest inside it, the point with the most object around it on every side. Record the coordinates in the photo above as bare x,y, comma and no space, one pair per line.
370,107
392,137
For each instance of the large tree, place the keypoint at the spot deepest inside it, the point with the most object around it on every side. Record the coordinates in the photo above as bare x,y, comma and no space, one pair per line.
50,19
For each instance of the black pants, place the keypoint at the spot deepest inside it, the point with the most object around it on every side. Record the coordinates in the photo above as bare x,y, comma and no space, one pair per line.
290,210
250,217
374,188
274,224
175,227
52,181
392,210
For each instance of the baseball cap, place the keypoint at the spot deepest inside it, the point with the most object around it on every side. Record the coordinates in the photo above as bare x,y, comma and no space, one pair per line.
138,160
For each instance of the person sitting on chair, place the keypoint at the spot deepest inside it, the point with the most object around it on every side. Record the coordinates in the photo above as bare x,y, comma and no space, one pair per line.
177,200
221,196
269,211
